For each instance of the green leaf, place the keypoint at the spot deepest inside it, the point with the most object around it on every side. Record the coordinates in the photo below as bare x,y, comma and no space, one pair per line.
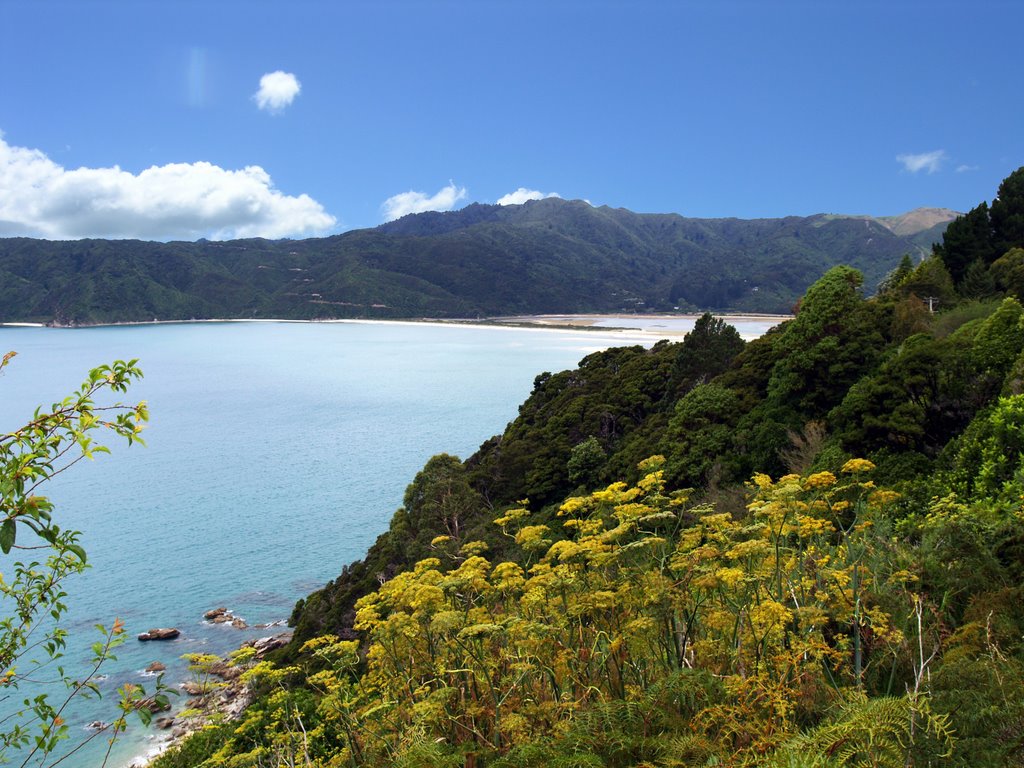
76,549
7,534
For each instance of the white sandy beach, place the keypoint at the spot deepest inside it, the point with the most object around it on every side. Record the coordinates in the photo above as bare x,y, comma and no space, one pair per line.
671,325
643,327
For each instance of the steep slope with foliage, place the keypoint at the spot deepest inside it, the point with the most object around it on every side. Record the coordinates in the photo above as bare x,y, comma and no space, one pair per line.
543,256
821,564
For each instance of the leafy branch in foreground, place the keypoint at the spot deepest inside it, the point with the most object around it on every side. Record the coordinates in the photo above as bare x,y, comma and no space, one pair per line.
32,591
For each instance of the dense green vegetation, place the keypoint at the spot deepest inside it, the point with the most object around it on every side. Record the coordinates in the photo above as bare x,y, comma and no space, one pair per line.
484,260
803,551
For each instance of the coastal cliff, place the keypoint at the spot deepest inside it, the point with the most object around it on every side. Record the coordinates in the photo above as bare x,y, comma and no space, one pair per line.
801,550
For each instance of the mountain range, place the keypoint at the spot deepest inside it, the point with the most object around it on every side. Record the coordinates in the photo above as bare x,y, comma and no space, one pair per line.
545,256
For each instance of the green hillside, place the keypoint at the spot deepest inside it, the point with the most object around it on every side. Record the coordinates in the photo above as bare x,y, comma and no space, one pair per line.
541,257
805,551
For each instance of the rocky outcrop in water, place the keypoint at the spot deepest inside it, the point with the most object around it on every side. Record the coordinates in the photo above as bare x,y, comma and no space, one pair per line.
162,633
223,616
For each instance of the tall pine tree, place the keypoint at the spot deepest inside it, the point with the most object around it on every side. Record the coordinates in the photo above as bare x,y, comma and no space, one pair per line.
1007,214
967,239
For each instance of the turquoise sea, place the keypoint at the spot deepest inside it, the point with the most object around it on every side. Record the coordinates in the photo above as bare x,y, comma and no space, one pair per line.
275,455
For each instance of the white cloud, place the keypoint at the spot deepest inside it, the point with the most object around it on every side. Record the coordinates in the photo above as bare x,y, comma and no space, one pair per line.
417,202
39,198
926,161
965,168
523,194
277,90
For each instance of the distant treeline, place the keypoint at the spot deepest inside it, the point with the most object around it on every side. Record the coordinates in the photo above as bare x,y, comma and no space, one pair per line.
547,256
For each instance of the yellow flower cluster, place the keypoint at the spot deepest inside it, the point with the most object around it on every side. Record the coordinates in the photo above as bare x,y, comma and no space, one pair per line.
820,480
631,512
651,464
585,527
601,599
882,498
512,515
769,615
471,548
613,492
730,577
572,506
507,576
563,550
808,526
654,481
748,548
532,537
854,466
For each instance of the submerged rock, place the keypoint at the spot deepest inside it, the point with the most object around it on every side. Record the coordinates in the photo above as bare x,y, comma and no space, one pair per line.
161,633
224,616
153,705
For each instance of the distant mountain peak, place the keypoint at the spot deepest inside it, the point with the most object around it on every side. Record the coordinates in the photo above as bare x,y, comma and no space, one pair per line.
917,220
540,257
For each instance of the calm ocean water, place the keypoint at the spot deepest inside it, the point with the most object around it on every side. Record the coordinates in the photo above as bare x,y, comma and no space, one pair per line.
276,453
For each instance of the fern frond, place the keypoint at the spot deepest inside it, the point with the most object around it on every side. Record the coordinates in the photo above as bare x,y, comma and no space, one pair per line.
686,751
880,733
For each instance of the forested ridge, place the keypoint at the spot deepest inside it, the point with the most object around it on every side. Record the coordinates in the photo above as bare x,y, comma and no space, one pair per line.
805,550
546,256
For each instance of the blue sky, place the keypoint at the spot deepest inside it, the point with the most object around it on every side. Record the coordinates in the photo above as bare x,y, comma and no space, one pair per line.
142,119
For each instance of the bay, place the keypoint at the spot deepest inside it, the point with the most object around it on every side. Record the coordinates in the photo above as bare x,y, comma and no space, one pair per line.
276,454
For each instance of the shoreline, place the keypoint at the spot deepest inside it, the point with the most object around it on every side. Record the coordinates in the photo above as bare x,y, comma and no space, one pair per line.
223,699
647,323
583,322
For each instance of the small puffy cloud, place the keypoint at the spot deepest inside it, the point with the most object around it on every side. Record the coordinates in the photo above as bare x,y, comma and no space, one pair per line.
926,161
39,198
965,168
277,90
417,202
523,194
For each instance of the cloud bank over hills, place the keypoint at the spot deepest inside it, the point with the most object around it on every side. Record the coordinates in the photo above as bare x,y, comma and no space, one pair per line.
404,203
177,201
